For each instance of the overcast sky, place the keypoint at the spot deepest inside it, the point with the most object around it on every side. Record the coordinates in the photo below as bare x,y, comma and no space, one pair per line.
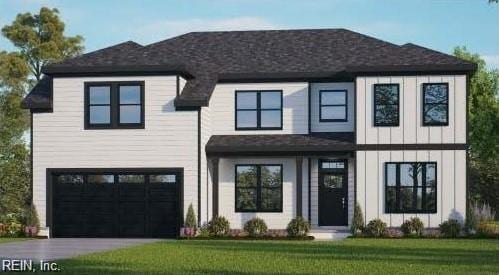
437,24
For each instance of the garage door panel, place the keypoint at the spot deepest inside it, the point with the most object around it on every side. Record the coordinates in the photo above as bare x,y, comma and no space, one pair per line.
99,192
115,204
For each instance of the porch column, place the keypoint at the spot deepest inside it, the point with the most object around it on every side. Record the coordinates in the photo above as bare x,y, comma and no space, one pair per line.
299,186
214,180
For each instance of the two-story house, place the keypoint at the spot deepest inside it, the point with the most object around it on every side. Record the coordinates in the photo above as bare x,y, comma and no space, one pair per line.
274,124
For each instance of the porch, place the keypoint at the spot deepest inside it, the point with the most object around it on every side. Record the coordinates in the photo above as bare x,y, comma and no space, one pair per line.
312,177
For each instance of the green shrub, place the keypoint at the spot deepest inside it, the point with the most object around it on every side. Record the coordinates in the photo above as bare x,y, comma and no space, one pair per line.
204,231
412,227
219,226
357,221
255,227
487,230
190,219
32,217
15,229
450,228
298,227
376,228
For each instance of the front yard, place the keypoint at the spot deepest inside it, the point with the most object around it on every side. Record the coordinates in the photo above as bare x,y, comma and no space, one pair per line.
353,256
8,240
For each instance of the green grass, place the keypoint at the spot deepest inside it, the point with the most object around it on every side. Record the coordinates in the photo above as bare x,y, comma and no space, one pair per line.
9,240
353,256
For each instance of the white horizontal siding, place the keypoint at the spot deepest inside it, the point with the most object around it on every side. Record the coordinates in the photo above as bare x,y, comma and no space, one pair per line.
295,108
227,192
316,125
451,184
168,140
411,129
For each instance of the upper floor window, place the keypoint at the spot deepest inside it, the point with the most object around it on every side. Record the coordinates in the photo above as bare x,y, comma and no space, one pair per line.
435,104
114,105
411,187
258,110
259,188
386,104
333,105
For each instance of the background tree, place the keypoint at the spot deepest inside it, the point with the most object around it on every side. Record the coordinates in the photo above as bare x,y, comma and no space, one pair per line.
483,130
14,154
40,39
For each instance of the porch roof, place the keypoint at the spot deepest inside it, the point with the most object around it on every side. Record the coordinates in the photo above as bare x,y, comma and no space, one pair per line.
271,145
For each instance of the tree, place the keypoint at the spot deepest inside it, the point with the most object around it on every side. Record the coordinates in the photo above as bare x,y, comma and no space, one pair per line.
14,155
40,39
483,115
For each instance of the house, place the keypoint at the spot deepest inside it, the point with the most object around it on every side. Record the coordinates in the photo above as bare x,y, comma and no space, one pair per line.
274,124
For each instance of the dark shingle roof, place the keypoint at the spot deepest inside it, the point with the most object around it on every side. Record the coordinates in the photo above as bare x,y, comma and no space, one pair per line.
40,96
292,144
217,56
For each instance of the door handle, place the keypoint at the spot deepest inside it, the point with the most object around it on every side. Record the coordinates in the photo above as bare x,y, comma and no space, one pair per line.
343,202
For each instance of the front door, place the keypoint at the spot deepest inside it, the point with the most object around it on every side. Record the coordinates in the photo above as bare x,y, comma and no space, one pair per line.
333,191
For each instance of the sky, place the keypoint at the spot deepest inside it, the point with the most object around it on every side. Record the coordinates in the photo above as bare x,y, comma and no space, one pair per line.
437,24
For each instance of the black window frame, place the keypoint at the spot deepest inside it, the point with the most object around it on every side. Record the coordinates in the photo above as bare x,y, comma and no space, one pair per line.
398,209
114,103
258,208
376,104
333,105
423,113
258,110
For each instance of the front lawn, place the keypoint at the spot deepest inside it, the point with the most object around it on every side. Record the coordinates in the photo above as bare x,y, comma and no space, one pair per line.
9,240
421,256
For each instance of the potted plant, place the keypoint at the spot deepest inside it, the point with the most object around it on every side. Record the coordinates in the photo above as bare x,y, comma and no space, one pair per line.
32,222
190,225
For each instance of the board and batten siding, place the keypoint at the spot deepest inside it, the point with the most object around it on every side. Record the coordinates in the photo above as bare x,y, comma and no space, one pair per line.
315,123
411,129
295,107
277,220
168,140
451,184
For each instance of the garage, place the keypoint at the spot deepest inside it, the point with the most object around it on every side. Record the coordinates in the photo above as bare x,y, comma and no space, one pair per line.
112,203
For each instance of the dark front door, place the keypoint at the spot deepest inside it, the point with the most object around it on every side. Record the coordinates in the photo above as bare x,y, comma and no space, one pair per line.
114,203
333,193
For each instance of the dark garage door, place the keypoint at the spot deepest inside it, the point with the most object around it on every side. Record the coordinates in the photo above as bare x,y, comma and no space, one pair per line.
109,203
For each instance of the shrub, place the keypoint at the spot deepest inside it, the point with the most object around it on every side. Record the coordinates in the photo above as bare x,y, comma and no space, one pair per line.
477,214
412,227
376,228
357,221
255,227
204,230
3,230
15,229
32,217
298,227
450,228
190,219
488,230
219,226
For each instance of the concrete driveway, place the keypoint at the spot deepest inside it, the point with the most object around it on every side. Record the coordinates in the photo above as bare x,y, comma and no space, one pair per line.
52,249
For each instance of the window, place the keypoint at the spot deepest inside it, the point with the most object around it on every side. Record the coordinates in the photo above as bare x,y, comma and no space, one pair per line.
114,105
333,105
258,110
411,187
435,104
259,188
386,104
